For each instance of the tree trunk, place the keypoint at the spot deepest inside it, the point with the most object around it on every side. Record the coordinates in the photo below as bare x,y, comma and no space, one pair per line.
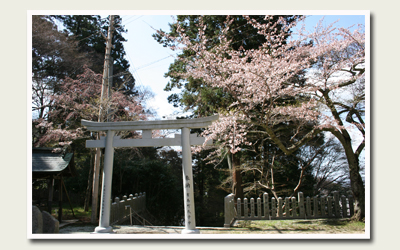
200,177
358,189
237,188
89,186
356,182
96,184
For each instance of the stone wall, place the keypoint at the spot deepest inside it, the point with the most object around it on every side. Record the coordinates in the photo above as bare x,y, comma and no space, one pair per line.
121,209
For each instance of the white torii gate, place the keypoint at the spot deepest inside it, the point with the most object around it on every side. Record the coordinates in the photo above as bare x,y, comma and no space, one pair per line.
110,142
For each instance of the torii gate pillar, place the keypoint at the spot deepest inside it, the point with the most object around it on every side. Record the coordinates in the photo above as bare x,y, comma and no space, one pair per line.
104,220
185,141
190,218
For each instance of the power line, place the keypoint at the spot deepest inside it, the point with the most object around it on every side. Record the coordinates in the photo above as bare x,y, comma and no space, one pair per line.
151,63
131,21
128,17
135,73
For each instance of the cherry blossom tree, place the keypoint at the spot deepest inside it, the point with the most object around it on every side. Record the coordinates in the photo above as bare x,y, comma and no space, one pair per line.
260,80
80,99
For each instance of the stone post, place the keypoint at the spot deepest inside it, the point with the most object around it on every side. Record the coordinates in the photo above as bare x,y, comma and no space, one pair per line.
273,207
239,208
280,204
131,200
294,207
308,207
252,215
287,207
315,203
190,218
104,222
266,206
136,203
245,208
301,205
259,207
323,208
229,209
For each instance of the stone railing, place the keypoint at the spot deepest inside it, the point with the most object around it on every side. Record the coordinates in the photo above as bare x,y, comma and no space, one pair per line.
121,210
280,209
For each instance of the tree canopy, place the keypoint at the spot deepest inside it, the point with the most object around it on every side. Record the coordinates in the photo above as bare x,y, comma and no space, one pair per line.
204,99
260,80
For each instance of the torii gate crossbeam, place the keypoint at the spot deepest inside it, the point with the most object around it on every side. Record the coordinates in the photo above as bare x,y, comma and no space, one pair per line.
185,140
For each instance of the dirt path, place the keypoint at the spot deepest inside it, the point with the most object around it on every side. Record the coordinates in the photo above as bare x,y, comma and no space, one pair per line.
87,229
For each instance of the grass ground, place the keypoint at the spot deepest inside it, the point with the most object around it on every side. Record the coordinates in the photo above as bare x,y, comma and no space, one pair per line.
315,226
78,213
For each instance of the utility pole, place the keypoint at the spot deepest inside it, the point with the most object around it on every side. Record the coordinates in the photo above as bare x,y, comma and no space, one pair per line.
105,94
106,88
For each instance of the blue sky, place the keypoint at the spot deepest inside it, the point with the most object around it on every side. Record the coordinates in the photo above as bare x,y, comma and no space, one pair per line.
150,61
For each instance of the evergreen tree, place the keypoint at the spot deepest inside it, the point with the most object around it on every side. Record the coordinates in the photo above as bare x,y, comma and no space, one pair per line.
89,31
